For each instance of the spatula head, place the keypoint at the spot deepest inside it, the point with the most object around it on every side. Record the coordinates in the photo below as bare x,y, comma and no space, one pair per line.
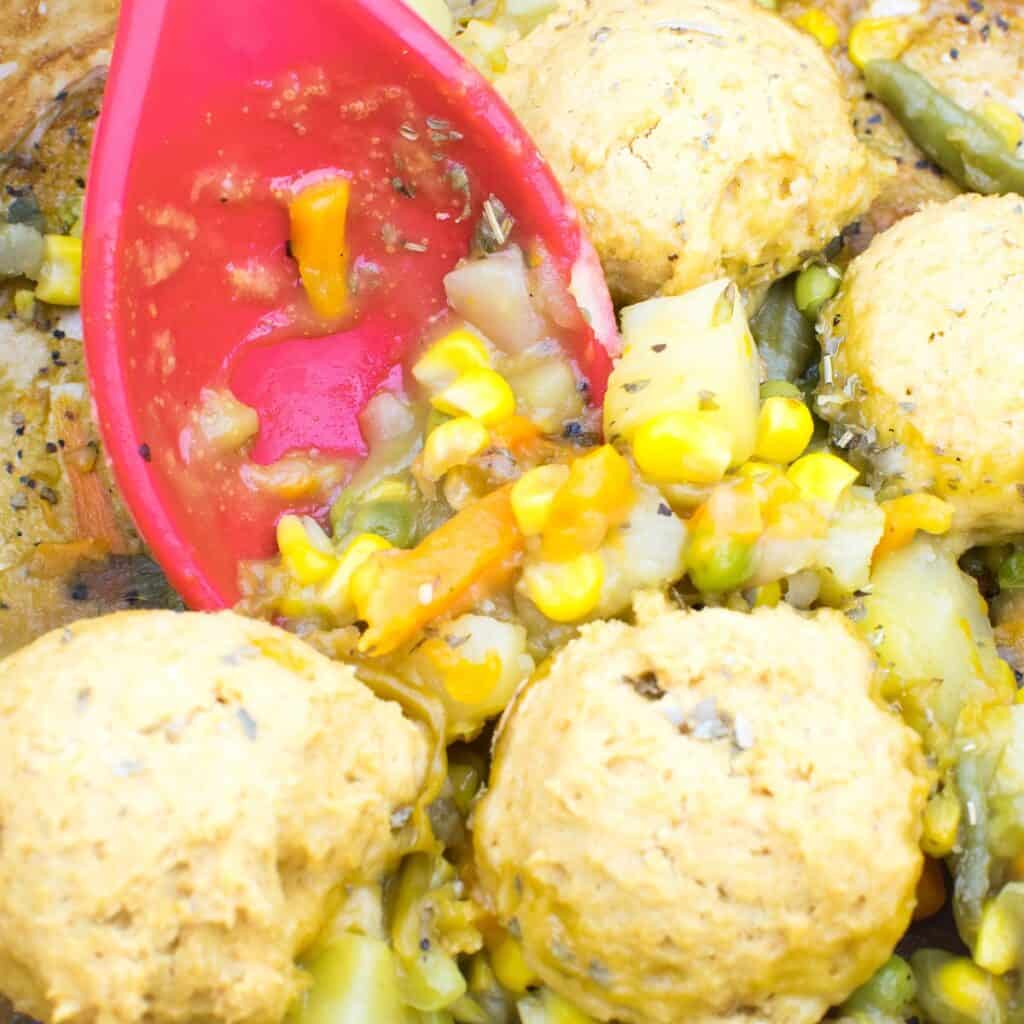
215,112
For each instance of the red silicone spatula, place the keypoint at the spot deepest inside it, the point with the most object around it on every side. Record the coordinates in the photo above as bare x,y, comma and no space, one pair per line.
215,109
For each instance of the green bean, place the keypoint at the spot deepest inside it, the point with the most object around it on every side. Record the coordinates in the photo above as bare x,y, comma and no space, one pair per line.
974,860
886,994
784,336
1011,570
432,981
953,990
813,287
487,993
354,981
965,146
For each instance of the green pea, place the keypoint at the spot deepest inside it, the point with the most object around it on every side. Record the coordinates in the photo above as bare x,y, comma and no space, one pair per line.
387,509
814,287
1011,571
888,991
719,564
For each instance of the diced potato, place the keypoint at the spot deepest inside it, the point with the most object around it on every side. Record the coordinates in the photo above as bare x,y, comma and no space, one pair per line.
225,423
646,552
844,560
687,353
493,294
546,390
929,626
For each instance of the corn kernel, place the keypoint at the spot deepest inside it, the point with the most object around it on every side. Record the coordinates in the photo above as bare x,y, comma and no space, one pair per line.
449,358
533,496
941,824
996,947
1005,120
931,890
784,429
60,277
768,595
482,394
303,560
821,477
596,497
510,966
683,447
967,988
24,304
820,25
906,515
318,215
566,591
879,39
453,444
336,593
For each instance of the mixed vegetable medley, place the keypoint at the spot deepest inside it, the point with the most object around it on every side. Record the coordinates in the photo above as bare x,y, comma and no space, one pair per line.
826,416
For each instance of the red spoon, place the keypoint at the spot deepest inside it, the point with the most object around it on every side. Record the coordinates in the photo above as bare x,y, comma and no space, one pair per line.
214,109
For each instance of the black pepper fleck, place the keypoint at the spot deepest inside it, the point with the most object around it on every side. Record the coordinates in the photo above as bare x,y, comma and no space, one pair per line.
144,453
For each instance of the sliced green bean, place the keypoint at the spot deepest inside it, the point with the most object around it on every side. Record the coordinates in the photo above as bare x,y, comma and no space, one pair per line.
886,994
354,981
784,336
964,145
974,861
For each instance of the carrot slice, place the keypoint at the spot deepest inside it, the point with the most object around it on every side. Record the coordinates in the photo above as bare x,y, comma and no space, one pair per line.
396,593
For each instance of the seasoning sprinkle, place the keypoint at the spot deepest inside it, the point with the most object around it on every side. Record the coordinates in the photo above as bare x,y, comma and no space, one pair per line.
408,132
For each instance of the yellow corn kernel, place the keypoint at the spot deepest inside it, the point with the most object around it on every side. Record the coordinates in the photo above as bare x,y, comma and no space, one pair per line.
318,215
1005,120
566,591
449,358
482,394
336,593
906,515
24,304
452,444
60,277
996,947
821,477
879,39
768,595
941,824
510,966
966,987
533,496
683,447
820,25
784,429
303,560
